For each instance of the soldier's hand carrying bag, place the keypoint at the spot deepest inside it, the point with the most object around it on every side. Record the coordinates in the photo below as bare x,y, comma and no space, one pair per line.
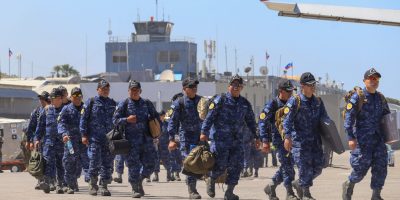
117,142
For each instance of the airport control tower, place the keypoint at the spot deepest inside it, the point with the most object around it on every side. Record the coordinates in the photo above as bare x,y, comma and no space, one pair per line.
151,48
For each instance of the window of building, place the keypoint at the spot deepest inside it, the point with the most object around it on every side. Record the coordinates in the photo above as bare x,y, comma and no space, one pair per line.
168,56
119,57
163,56
174,56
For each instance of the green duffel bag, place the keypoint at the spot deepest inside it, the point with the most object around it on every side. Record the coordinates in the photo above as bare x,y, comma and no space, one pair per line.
200,160
36,164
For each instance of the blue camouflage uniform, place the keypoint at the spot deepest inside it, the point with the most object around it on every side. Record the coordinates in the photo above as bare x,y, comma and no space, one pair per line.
95,124
163,151
247,142
175,158
141,156
120,161
268,131
68,125
33,122
53,148
185,117
223,126
364,126
301,125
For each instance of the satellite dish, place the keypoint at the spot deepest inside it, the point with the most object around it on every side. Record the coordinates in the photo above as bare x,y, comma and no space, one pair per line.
264,70
167,75
247,69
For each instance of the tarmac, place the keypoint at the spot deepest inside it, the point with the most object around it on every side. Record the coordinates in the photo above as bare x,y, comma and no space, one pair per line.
19,186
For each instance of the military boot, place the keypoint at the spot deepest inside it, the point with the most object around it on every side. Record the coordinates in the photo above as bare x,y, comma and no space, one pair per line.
298,189
93,186
37,187
168,175
307,194
52,185
76,186
270,191
140,187
255,173
70,190
173,176
290,194
155,178
211,187
135,191
229,193
104,190
245,173
376,195
45,185
177,177
118,179
193,194
59,189
347,190
250,172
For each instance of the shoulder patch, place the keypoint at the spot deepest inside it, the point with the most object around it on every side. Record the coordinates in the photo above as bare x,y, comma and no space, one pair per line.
262,116
211,106
349,106
289,105
286,110
172,106
352,100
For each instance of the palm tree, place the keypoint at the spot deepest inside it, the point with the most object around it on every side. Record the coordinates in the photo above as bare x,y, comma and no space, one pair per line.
57,69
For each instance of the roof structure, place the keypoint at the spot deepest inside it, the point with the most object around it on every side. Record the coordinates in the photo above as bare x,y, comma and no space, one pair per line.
336,13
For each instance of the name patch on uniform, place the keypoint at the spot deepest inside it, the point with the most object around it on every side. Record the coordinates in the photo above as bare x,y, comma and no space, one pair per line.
211,106
349,106
262,116
286,110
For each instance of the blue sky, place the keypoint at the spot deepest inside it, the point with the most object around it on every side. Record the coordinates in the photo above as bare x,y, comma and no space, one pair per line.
48,33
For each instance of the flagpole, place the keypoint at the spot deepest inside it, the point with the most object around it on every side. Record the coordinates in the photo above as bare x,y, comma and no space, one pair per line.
9,66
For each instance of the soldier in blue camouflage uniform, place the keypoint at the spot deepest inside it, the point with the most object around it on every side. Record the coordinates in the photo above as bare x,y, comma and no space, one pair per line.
53,145
185,117
227,116
269,131
33,122
65,97
366,139
68,128
301,128
95,123
135,113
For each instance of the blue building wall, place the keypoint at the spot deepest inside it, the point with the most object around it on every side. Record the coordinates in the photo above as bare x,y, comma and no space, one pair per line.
146,55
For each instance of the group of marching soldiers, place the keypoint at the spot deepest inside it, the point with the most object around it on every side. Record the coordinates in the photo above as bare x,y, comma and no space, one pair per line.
71,135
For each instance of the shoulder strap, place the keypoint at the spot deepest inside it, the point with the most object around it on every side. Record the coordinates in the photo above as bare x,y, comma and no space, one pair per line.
274,105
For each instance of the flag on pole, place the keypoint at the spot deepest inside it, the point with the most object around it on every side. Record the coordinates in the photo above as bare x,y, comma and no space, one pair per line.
288,66
10,53
266,55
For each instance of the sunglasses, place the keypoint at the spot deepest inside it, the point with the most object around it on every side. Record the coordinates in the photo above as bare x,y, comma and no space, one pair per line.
76,95
311,85
373,78
192,86
236,85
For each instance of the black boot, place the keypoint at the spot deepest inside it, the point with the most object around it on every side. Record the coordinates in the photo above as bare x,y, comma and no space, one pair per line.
52,184
155,178
376,195
135,191
140,187
229,193
172,177
70,190
104,190
76,186
37,187
93,186
347,187
298,189
245,173
290,194
251,172
193,194
45,185
307,194
168,175
211,187
118,179
270,191
255,173
177,177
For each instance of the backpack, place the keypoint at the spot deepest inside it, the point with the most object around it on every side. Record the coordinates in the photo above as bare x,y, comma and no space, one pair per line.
360,102
281,113
36,164
205,104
